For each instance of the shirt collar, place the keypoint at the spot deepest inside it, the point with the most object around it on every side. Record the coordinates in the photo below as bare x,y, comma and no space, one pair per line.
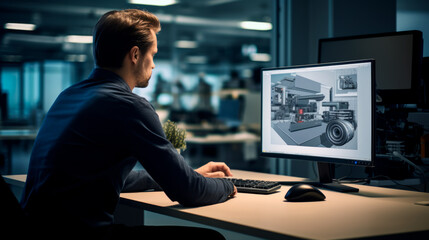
106,75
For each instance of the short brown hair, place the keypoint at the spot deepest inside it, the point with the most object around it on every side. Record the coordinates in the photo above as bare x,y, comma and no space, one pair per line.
118,31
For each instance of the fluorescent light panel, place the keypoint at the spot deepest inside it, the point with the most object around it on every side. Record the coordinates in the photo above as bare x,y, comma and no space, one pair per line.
78,39
259,26
186,44
20,26
260,57
160,3
76,57
197,59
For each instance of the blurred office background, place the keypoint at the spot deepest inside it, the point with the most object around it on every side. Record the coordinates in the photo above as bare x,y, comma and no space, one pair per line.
207,75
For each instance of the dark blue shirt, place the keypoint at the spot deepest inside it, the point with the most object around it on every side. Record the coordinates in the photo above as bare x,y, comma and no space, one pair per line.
90,140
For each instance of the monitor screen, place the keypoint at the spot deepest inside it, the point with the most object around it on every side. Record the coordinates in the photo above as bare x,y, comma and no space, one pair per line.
229,112
252,109
322,112
398,56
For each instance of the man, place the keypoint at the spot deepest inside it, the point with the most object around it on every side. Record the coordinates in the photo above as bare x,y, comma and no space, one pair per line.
97,130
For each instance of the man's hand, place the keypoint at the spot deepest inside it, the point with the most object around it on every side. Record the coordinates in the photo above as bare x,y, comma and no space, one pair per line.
215,170
233,192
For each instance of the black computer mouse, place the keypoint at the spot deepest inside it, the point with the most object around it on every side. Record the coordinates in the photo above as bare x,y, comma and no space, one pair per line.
304,193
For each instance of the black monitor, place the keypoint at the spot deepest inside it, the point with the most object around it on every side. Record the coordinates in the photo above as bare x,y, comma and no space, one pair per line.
398,56
230,112
321,112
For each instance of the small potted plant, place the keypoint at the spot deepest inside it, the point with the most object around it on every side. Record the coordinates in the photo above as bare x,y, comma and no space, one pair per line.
175,135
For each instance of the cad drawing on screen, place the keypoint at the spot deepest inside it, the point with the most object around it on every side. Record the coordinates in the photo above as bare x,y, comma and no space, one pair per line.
315,112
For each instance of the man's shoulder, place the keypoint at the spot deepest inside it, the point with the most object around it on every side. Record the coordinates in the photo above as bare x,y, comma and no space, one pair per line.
129,101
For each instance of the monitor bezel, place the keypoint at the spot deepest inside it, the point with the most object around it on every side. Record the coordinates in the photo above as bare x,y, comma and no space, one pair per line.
408,96
343,161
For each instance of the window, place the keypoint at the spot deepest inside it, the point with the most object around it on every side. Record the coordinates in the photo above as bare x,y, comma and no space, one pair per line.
11,84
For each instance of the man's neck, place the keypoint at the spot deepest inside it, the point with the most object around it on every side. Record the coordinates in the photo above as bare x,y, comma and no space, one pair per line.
125,75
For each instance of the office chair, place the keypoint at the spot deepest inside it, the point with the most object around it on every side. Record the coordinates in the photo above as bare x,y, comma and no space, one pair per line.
15,224
13,221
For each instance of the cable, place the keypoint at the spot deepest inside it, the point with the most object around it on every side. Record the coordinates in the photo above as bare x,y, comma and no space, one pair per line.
398,155
417,168
366,181
346,176
355,181
397,183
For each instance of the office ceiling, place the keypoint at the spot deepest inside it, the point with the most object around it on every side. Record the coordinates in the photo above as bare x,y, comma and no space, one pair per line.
213,24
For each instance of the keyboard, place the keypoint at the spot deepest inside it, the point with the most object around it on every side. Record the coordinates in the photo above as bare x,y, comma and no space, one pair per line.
254,186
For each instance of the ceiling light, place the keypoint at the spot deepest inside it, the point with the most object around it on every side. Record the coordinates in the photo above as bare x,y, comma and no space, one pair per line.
76,58
78,39
260,57
160,3
260,26
197,59
185,44
20,26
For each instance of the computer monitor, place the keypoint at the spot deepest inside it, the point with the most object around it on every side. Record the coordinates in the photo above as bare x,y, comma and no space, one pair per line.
229,112
252,110
398,56
321,112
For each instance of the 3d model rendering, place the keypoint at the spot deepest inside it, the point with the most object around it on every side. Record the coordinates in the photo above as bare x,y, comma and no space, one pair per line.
308,113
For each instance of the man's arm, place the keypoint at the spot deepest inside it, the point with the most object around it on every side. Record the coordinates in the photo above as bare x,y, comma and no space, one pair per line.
157,155
138,181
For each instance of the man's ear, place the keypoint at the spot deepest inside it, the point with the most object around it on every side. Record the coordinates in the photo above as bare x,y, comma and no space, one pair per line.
134,54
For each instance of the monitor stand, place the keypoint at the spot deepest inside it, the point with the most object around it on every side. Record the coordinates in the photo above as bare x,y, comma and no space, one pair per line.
326,171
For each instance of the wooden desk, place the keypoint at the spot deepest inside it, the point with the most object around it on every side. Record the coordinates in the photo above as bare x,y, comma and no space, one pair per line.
372,212
10,136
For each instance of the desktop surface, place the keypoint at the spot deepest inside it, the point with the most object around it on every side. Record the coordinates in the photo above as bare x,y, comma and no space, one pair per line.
373,212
